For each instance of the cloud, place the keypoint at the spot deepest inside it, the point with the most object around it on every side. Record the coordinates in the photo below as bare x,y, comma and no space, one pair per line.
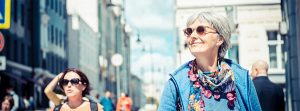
156,65
86,10
154,22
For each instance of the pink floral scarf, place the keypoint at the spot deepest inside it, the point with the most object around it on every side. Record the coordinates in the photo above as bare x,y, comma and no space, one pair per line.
219,85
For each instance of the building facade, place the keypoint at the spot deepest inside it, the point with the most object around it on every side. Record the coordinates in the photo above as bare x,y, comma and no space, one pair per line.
291,12
114,40
83,51
36,47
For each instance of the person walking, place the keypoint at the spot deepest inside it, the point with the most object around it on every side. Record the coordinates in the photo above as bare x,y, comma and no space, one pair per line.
107,102
124,103
270,95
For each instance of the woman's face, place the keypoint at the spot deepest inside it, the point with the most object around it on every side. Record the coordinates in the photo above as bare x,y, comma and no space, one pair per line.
205,43
5,106
73,85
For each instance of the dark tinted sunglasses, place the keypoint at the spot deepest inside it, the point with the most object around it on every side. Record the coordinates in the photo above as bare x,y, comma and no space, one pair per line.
201,30
73,81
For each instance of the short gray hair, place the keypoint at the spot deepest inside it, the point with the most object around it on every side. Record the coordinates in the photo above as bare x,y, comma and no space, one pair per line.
222,25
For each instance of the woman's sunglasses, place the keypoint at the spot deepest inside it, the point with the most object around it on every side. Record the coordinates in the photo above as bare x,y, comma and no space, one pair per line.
73,81
201,30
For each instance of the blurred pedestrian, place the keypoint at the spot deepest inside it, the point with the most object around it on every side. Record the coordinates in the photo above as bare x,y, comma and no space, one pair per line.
124,103
107,102
10,91
271,96
7,103
209,82
76,85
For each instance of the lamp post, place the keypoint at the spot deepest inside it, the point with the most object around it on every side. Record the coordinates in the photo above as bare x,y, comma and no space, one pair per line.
117,61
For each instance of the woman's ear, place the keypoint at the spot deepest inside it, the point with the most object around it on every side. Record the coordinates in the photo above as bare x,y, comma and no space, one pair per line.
220,41
83,87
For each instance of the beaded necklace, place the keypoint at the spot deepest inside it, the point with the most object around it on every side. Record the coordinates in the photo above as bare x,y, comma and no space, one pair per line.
219,84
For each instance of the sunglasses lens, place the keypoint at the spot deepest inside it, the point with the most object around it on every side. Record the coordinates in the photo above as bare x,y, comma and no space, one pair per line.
74,81
188,31
200,30
65,82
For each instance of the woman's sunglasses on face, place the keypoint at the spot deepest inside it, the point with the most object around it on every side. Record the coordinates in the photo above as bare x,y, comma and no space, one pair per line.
73,81
201,30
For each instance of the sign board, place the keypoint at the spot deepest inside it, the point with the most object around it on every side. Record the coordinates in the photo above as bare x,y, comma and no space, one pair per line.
2,42
4,14
2,63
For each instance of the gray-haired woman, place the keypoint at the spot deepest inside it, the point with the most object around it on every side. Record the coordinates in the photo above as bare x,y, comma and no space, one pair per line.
209,82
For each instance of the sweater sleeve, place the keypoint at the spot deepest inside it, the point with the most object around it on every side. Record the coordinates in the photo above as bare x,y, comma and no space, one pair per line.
254,104
168,98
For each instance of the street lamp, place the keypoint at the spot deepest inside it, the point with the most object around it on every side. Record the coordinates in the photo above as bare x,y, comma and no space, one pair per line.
117,61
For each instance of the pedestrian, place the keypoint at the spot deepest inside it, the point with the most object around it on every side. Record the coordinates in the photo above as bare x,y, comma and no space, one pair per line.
107,102
10,91
270,95
75,86
210,82
124,103
7,103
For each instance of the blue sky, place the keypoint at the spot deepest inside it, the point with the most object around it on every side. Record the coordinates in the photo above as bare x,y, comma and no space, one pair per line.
154,20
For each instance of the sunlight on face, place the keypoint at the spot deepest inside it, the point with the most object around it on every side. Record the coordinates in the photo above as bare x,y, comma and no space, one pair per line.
203,44
73,89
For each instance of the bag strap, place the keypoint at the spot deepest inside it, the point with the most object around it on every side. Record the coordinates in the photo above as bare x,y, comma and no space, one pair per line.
93,105
178,100
57,108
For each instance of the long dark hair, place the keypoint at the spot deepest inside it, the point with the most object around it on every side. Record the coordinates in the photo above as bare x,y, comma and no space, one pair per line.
83,79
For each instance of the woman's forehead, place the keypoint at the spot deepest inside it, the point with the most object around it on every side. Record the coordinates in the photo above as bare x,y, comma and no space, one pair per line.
71,75
197,23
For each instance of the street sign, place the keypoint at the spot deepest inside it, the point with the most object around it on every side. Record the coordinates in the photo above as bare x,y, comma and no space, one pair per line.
2,63
4,14
2,42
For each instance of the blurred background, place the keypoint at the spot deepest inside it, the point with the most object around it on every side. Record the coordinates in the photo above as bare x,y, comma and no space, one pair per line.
133,45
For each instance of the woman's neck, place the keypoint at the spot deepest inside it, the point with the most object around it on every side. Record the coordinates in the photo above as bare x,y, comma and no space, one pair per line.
75,102
207,64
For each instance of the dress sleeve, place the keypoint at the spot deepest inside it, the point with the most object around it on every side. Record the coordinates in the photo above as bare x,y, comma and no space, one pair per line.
168,98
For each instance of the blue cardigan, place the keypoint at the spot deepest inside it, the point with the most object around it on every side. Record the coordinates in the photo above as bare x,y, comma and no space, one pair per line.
246,94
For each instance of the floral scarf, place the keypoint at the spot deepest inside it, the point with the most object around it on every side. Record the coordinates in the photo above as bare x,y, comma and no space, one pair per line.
219,85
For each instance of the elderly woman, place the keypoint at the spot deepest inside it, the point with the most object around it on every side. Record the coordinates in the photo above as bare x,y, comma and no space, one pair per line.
209,82
75,85
7,103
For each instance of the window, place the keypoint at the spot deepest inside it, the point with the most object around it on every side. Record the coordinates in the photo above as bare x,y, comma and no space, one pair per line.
52,34
22,14
51,5
15,10
56,36
59,8
49,32
276,50
22,48
60,39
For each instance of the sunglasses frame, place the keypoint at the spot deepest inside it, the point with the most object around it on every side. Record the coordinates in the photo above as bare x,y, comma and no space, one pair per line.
203,30
74,81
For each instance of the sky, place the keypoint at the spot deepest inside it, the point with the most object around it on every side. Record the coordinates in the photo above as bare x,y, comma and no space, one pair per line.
154,21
